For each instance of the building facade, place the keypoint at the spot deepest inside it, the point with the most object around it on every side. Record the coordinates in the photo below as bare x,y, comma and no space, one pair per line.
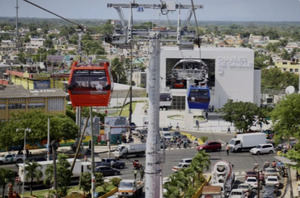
14,99
231,74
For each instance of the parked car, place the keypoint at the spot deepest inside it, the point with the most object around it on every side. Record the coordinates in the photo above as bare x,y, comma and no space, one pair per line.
176,134
237,193
180,166
166,135
245,188
271,172
107,171
186,160
210,146
252,182
11,158
114,163
254,174
262,149
272,180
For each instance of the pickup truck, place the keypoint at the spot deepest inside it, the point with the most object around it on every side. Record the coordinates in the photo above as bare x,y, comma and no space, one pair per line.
111,162
11,158
130,188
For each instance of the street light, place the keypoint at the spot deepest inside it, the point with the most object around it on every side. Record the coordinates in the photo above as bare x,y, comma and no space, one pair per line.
24,156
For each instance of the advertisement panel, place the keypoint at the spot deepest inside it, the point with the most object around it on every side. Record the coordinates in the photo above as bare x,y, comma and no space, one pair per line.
41,84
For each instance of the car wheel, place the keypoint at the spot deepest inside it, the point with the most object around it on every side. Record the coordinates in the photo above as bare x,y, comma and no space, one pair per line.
122,166
270,151
258,153
19,160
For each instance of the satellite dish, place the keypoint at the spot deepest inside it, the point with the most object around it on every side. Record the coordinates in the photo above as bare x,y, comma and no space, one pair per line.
290,90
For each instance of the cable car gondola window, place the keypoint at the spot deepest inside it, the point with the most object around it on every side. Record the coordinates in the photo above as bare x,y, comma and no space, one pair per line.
90,79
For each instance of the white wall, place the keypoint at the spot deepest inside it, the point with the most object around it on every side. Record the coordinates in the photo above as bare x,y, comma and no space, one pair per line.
234,71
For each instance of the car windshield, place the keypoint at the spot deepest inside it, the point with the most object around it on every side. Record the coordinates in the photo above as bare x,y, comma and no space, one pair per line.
258,146
167,134
126,184
236,193
232,142
251,180
243,186
271,171
272,179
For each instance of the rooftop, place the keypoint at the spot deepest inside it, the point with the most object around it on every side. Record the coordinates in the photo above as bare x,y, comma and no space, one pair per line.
17,91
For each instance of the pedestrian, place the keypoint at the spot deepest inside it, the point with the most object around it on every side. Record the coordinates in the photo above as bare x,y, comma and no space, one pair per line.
206,115
227,148
197,124
228,130
135,173
142,172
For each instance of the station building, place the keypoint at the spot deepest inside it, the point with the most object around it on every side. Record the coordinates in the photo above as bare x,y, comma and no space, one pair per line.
231,74
14,99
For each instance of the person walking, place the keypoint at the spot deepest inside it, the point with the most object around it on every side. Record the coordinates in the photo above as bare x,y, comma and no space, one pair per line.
142,172
227,149
135,174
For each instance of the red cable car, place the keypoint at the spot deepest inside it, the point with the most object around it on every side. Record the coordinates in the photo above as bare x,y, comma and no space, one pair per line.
90,85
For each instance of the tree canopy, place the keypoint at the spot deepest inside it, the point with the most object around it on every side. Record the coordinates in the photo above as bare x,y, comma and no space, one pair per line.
286,119
243,114
61,127
275,79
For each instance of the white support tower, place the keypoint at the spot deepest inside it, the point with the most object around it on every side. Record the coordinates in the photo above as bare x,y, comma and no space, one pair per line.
123,38
152,170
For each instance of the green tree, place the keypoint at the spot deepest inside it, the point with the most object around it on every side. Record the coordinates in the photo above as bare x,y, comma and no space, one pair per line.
186,181
61,127
85,181
64,175
32,172
6,176
286,117
275,79
243,114
118,71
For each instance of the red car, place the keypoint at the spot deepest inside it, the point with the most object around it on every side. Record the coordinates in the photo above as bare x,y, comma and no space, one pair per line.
210,146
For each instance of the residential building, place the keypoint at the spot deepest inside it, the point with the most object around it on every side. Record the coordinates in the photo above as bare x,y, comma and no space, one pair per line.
288,66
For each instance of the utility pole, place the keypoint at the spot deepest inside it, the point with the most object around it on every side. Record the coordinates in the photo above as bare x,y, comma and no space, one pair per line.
92,155
17,25
153,169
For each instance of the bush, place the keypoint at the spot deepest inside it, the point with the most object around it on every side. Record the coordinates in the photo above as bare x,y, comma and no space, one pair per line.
115,181
203,138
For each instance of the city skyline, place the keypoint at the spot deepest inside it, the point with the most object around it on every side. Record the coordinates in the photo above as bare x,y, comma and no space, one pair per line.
214,10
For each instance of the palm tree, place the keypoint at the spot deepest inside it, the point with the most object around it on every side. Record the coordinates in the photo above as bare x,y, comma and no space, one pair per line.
6,176
32,172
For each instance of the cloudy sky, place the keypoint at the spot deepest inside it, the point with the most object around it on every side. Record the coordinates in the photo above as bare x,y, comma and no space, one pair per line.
214,10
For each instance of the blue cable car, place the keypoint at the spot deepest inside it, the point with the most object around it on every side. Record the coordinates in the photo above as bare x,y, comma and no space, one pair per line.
198,97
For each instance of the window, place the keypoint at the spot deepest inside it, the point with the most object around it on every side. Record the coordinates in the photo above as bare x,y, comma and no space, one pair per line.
2,106
296,70
291,70
16,106
89,79
284,69
36,105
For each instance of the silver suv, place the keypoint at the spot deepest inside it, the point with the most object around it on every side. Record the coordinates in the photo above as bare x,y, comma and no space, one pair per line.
262,149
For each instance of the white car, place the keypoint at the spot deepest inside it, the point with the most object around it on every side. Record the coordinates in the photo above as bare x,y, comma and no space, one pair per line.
272,180
271,172
167,135
237,193
251,181
262,149
244,187
186,160
180,166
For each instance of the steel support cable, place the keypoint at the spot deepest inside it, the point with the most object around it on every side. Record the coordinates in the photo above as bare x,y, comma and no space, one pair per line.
46,10
197,27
